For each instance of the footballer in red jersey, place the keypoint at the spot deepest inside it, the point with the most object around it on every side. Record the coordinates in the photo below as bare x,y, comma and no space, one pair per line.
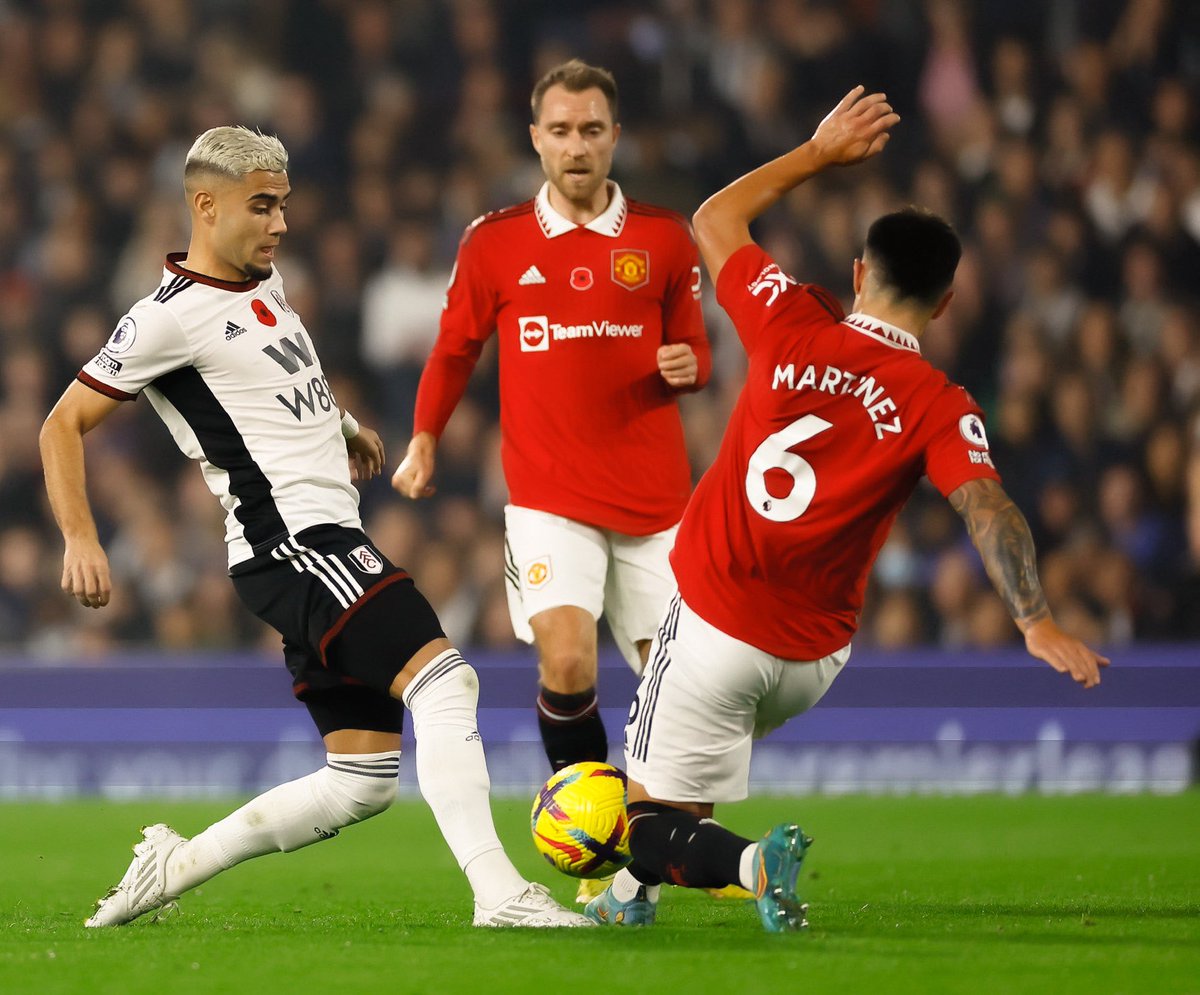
595,301
839,418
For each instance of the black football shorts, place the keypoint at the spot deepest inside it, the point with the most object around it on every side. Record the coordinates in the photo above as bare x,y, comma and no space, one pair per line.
349,618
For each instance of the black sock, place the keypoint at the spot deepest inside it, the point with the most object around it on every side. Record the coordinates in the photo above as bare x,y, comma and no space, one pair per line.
572,731
681,848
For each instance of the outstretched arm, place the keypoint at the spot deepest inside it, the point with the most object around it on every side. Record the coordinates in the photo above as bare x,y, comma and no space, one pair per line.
1001,535
855,130
85,567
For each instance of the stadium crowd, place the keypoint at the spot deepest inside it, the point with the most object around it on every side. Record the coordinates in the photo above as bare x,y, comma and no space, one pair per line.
1061,139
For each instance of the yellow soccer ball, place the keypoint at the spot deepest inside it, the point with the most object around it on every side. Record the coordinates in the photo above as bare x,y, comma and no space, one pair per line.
579,821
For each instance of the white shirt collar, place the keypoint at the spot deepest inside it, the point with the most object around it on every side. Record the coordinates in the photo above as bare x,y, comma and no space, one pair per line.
897,338
610,221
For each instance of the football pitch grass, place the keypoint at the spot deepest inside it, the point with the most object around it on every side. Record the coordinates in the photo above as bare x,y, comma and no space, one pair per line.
1085,894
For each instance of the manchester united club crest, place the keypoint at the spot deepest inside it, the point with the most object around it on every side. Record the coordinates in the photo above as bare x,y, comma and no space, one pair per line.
539,573
631,268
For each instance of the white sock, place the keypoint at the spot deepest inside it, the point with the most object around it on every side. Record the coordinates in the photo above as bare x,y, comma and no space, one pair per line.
625,887
746,868
350,788
453,777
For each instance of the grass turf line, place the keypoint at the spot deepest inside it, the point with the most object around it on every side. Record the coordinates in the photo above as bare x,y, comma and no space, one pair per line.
1085,894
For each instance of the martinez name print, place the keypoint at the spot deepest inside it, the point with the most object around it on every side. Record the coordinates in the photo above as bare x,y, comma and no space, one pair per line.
871,394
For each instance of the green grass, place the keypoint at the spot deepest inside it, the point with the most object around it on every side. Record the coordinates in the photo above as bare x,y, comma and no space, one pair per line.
1087,894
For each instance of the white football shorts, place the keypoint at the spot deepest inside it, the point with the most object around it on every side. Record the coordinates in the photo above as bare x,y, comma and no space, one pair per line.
551,561
703,699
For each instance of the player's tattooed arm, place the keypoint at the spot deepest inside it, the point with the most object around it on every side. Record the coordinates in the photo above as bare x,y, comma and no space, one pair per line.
1001,534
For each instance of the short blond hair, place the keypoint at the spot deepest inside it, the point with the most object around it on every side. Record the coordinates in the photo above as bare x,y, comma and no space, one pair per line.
234,151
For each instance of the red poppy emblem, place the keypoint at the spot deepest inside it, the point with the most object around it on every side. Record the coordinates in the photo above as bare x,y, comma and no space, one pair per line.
263,313
581,278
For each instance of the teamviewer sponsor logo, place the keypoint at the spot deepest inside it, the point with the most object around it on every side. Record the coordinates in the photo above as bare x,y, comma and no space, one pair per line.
535,333
596,330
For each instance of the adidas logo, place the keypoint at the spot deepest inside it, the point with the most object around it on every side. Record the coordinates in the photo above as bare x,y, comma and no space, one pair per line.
530,276
232,331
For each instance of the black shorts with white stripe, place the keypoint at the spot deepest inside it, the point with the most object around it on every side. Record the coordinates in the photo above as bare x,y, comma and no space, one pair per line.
349,618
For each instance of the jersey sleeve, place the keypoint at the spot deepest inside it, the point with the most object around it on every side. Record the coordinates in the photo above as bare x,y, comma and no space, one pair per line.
468,321
146,344
757,294
683,320
957,449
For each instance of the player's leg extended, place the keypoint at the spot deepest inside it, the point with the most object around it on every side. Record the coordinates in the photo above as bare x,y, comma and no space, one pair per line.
700,687
680,844
392,640
358,781
555,572
441,690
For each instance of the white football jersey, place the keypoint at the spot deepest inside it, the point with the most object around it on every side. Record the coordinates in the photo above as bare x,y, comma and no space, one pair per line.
231,370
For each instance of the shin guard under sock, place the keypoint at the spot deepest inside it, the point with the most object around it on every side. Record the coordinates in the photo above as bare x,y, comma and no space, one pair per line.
683,849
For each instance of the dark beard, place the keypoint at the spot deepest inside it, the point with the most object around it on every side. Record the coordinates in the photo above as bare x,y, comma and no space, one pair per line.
256,272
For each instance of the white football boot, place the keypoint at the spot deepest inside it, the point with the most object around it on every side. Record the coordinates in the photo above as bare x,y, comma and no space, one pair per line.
532,908
143,888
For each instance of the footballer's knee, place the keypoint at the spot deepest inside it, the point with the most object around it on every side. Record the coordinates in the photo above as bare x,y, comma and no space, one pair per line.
452,684
464,683
568,671
375,798
359,790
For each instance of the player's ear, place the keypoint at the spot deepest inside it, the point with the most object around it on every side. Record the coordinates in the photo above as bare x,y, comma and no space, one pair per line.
533,137
616,132
942,305
204,204
860,274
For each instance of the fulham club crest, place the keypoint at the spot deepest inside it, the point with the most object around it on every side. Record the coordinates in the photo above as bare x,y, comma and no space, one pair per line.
367,560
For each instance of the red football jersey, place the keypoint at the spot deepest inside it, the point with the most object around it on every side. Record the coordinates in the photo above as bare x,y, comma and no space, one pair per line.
589,428
838,420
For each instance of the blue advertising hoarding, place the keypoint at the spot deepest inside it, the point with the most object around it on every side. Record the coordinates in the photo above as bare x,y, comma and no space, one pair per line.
913,722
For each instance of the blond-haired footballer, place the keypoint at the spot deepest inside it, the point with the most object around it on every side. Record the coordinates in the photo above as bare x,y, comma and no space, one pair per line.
230,368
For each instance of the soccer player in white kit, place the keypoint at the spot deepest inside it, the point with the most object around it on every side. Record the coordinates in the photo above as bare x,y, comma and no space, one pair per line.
839,419
231,370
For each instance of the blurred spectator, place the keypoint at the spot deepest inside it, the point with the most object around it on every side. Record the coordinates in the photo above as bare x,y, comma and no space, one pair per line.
1060,138
401,306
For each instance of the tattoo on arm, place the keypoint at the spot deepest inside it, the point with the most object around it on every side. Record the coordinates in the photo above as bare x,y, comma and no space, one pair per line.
1001,535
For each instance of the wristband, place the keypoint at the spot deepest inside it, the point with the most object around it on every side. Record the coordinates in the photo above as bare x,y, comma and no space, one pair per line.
349,425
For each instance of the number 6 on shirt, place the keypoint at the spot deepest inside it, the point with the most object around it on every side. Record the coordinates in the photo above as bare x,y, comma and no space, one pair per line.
773,454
